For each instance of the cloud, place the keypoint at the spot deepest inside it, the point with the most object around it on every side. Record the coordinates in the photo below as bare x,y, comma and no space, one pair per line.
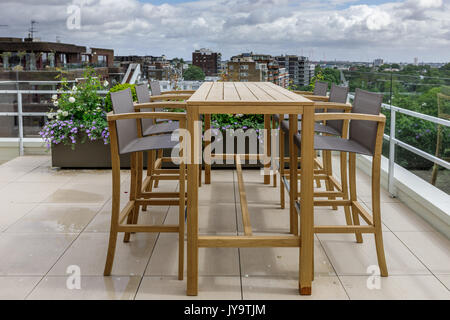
341,29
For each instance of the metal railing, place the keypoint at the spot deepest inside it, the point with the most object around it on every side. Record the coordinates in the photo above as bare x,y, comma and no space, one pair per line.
20,114
393,141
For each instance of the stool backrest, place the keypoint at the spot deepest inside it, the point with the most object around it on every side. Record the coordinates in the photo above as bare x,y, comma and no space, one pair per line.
362,131
143,96
155,87
320,88
338,94
122,102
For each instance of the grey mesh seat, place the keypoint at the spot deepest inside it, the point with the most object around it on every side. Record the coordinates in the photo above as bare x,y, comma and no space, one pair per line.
127,130
150,126
127,140
365,137
338,94
362,134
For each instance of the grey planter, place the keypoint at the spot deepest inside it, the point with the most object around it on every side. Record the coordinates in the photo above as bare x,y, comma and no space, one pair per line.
97,155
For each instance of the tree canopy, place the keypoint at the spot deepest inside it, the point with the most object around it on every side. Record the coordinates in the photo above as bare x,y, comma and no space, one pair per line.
194,73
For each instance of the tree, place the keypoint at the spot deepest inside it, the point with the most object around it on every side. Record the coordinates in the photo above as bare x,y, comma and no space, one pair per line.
194,73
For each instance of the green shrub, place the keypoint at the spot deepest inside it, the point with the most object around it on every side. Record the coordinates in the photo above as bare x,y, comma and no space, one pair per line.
117,88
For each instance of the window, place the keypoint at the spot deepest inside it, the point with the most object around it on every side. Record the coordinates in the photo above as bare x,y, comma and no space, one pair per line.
244,67
244,74
230,67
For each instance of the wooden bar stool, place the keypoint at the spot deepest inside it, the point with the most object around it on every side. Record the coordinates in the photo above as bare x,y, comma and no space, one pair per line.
149,127
366,132
126,139
324,170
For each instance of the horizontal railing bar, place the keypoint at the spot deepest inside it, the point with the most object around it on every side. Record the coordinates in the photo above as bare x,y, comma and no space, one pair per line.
414,114
26,114
41,92
419,152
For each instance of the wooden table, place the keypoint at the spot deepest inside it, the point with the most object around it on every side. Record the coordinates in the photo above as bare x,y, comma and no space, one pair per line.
253,98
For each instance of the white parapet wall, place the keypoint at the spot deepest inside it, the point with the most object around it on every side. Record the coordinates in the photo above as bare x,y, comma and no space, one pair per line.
9,148
426,200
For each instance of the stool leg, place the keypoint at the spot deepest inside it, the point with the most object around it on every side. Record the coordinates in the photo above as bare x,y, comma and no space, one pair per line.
140,169
133,185
150,168
282,191
353,195
327,165
115,212
160,156
344,186
317,166
274,175
376,163
181,219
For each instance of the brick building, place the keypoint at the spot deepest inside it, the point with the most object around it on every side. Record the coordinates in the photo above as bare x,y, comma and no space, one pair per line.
208,61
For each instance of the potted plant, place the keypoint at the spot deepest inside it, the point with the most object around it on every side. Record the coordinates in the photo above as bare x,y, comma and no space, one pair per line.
76,130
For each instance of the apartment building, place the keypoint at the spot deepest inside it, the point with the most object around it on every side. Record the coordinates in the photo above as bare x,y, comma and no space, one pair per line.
297,67
208,61
31,55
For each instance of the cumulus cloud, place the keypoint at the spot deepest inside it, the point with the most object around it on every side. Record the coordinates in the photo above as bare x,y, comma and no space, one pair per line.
341,29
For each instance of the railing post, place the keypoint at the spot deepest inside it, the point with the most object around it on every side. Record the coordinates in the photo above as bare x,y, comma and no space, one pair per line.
391,187
20,116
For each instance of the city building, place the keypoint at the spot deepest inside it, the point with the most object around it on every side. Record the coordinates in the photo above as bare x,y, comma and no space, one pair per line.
208,61
31,55
378,62
245,70
297,67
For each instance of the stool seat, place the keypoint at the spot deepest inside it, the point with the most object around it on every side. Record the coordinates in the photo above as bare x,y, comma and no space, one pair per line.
334,144
161,127
318,127
150,143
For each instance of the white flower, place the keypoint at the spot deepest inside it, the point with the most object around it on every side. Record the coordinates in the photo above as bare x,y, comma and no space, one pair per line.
59,111
50,116
74,88
65,113
106,83
99,109
55,103
54,97
71,99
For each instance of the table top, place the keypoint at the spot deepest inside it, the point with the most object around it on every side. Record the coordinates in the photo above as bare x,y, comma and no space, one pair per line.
241,94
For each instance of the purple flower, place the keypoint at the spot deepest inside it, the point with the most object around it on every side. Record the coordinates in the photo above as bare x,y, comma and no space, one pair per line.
417,137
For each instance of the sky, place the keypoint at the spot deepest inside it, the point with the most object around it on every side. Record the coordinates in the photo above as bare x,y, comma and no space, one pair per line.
395,30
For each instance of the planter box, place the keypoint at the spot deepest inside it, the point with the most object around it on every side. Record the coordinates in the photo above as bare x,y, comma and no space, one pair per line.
96,155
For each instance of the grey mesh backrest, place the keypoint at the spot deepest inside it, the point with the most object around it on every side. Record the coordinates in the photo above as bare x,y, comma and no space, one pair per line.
361,131
320,88
143,96
338,94
122,102
155,87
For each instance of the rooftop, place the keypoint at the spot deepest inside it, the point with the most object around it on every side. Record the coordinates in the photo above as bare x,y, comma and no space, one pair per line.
53,219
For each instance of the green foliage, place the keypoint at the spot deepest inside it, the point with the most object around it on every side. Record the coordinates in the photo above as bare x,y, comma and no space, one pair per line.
78,112
117,88
194,73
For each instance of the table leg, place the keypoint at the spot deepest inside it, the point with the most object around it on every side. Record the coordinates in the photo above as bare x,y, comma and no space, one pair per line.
207,143
268,148
307,202
192,203
293,173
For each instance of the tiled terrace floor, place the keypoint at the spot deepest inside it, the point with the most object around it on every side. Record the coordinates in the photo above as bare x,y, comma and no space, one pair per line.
51,219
